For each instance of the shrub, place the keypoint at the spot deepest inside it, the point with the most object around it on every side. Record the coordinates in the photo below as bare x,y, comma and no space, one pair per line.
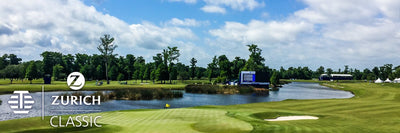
245,89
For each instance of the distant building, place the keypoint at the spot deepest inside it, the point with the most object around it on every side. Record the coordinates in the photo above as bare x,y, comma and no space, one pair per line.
336,77
253,78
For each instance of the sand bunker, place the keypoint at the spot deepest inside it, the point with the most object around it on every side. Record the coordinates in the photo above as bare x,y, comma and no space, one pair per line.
291,118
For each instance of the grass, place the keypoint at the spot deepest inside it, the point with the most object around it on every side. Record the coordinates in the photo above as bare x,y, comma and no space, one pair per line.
6,87
375,108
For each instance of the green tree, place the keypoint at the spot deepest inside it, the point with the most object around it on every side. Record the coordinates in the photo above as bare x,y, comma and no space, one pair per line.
212,68
158,59
50,59
320,70
376,72
329,71
32,72
130,61
81,60
147,72
357,74
170,54
193,62
183,71
306,73
120,77
397,72
173,54
256,61
161,73
200,71
237,65
139,67
274,78
346,69
4,61
250,65
113,72
173,73
11,72
106,48
57,70
153,75
68,61
388,69
99,72
183,75
225,67
365,73
282,73
87,71
14,60
135,75
142,69
371,76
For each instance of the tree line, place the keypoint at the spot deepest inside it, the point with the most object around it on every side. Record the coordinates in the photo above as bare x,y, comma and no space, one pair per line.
165,67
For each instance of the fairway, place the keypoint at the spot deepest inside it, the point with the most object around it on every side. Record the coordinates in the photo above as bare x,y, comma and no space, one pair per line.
375,108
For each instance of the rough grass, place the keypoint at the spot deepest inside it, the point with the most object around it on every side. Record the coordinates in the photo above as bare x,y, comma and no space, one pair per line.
6,87
375,108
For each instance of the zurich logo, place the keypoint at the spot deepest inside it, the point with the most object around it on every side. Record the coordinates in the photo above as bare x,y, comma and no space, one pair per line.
75,80
20,102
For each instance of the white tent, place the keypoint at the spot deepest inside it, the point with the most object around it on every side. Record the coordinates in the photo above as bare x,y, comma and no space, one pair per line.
397,80
388,80
378,81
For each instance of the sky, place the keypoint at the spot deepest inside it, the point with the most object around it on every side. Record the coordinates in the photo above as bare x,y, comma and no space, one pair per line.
313,33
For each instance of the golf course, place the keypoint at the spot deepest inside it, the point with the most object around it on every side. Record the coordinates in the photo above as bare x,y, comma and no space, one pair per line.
374,108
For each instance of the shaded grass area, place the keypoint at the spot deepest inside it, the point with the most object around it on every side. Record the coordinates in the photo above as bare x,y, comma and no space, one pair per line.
374,109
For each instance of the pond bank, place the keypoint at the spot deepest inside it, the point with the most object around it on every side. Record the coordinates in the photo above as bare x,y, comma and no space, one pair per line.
223,89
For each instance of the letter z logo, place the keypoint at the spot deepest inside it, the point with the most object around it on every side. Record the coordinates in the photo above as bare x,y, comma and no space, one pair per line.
75,80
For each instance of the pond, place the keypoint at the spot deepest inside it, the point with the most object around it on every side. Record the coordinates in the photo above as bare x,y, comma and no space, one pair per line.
295,90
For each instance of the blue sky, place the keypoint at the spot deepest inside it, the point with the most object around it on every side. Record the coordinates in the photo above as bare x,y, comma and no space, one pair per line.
137,11
358,33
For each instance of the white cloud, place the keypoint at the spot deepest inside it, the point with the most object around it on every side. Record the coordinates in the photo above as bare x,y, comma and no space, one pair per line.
264,15
28,28
151,36
330,33
240,5
213,9
186,22
219,6
272,32
186,1
349,11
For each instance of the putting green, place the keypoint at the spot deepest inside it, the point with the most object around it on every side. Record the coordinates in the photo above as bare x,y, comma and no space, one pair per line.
375,108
